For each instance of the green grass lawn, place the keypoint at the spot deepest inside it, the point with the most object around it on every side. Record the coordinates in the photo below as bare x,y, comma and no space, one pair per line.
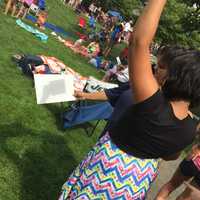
36,157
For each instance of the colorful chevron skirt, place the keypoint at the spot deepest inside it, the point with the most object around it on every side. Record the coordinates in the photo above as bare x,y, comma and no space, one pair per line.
109,173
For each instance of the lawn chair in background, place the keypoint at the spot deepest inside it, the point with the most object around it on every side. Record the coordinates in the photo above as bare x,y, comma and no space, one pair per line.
82,23
34,9
83,112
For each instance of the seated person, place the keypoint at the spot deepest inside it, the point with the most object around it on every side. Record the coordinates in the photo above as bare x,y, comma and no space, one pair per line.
120,98
188,169
93,48
92,21
122,76
78,43
92,35
103,35
97,61
114,72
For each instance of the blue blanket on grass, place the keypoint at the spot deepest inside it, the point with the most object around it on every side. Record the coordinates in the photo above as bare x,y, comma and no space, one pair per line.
52,27
42,36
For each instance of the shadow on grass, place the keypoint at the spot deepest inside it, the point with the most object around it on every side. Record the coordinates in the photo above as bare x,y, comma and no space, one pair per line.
45,164
58,111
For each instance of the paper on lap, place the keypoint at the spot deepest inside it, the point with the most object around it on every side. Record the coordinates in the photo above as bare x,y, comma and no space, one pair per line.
54,88
79,81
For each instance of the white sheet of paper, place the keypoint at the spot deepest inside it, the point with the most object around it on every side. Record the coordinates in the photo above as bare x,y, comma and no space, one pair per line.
53,88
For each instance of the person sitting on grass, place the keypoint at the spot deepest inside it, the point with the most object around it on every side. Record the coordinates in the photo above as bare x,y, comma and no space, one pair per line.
78,43
115,70
90,51
97,61
93,48
41,19
188,169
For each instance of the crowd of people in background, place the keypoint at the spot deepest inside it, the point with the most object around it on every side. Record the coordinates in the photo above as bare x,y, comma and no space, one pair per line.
113,30
20,9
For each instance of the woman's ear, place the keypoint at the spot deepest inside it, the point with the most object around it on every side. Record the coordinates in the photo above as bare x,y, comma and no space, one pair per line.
161,75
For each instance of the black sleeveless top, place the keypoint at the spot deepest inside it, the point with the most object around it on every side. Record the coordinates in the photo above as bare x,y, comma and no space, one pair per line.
150,129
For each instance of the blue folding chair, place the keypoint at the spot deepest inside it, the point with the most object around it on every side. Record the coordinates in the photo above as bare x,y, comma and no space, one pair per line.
83,112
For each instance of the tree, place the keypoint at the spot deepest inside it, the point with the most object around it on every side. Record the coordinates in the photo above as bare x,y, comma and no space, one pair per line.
179,23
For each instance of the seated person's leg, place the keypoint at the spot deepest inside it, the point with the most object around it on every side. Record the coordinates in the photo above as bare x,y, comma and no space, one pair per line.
8,6
20,12
25,13
14,8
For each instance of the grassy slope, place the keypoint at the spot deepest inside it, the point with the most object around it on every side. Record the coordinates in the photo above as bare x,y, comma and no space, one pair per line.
35,156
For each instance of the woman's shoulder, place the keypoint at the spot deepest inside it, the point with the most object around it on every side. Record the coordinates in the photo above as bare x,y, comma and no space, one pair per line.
157,100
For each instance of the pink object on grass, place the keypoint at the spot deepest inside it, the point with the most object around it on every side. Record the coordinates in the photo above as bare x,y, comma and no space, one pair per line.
28,2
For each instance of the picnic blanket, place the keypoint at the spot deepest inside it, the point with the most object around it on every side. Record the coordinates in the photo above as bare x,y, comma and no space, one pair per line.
50,26
56,67
52,65
81,50
42,36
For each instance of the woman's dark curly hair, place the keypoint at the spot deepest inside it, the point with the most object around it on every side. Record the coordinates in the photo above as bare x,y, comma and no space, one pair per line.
183,74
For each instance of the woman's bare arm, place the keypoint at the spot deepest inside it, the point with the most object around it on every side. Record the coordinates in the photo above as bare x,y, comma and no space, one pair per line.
91,96
142,80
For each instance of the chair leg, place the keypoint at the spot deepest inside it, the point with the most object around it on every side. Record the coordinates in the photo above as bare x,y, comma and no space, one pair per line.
94,128
90,133
62,115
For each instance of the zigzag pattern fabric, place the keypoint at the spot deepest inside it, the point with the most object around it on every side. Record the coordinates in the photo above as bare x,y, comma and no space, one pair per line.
109,173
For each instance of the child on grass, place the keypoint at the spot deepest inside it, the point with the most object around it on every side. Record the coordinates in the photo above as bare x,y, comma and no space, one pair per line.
42,17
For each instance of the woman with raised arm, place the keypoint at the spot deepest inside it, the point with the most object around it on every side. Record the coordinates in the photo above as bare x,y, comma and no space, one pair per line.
124,162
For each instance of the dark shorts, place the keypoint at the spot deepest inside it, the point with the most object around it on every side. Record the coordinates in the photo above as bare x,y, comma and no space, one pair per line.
26,5
189,169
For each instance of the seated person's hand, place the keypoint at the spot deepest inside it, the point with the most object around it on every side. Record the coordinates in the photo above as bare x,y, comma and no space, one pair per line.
121,67
79,95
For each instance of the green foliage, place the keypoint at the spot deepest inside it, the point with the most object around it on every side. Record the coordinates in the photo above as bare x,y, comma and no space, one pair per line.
125,7
179,24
